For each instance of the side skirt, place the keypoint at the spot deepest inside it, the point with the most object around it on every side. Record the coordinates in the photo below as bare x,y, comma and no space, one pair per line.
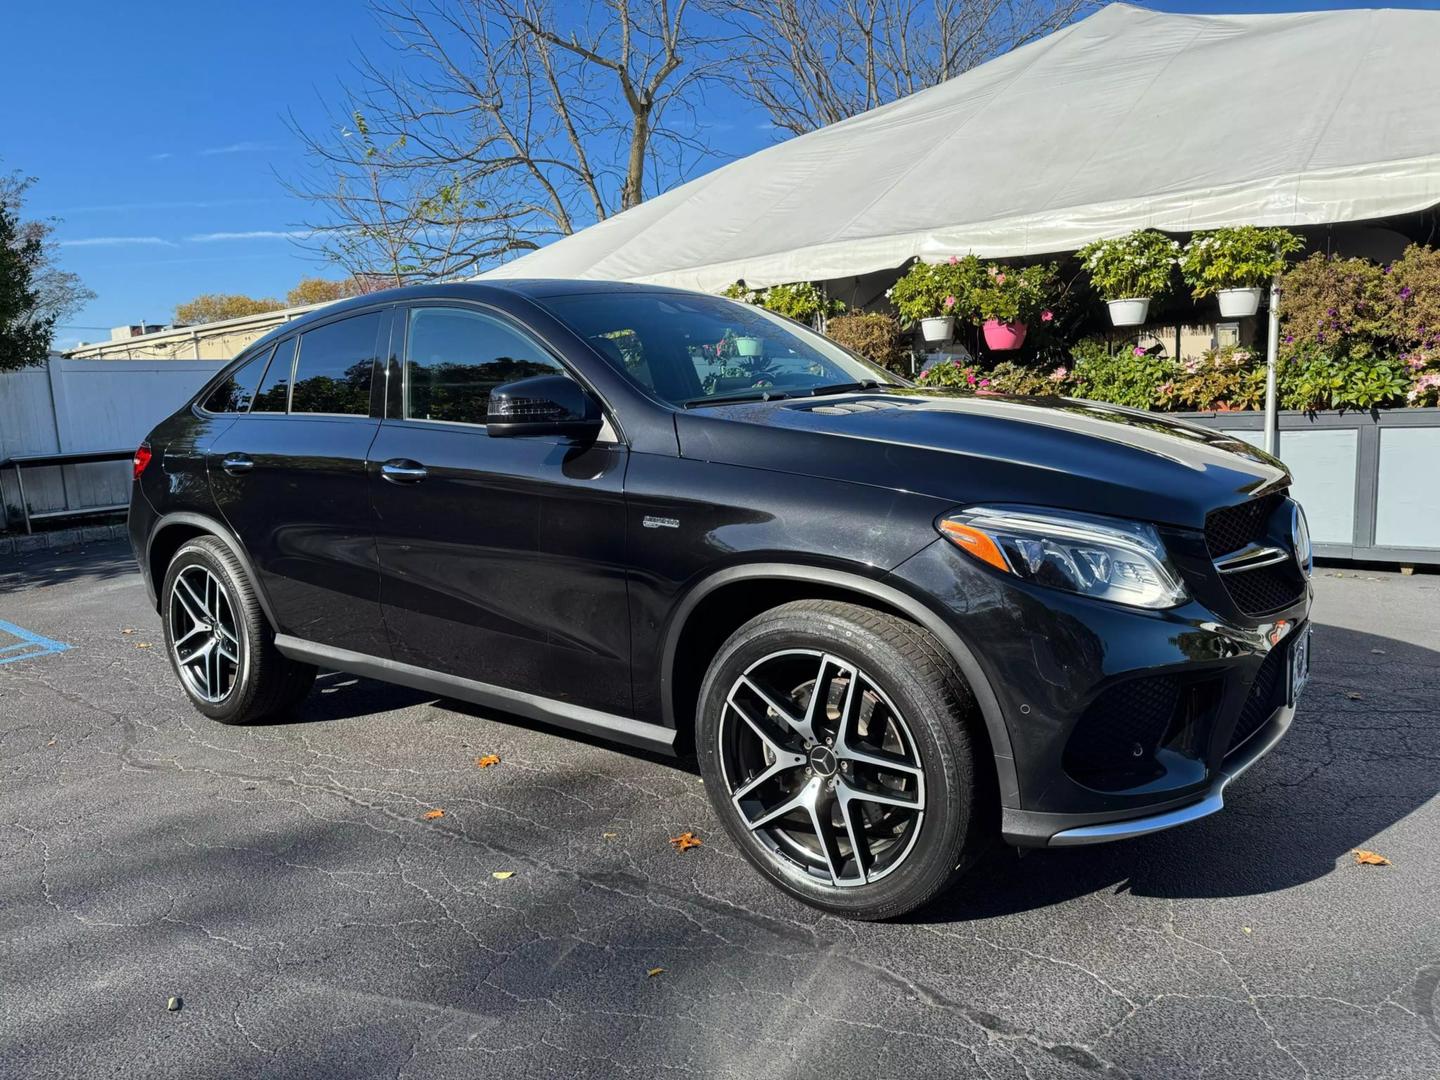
532,706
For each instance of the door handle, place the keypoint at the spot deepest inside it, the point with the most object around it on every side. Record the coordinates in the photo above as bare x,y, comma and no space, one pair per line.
400,471
235,464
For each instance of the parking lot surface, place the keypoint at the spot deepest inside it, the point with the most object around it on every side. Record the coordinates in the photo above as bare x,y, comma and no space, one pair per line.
293,887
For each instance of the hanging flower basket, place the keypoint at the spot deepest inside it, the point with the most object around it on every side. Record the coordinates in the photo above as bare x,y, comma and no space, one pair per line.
747,346
1238,303
1004,336
1129,312
938,329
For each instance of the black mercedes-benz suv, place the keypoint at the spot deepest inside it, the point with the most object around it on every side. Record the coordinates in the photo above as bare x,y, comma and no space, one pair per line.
892,624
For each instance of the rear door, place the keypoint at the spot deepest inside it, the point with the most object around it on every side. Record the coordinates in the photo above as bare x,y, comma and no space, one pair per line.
502,559
289,478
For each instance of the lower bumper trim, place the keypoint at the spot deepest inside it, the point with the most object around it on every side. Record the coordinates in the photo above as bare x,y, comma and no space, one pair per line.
1213,801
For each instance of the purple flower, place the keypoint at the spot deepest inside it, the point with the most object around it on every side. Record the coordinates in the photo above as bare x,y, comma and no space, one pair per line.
1139,351
1332,313
1405,292
1289,338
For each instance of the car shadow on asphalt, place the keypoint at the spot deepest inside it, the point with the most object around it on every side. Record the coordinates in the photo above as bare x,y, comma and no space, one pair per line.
1362,754
101,561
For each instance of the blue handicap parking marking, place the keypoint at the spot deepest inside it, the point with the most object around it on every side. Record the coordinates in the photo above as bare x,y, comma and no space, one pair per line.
17,643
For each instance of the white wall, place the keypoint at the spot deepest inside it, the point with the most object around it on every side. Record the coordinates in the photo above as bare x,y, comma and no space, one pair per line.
69,406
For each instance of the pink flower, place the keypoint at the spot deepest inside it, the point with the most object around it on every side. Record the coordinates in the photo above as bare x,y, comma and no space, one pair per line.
1167,388
949,302
1058,375
953,260
1139,351
1047,315
999,279
970,377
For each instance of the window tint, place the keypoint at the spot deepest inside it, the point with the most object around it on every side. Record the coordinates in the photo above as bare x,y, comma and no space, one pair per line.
336,360
235,391
275,387
691,349
454,358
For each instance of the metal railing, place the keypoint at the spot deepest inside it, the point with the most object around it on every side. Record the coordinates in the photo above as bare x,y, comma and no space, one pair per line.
43,461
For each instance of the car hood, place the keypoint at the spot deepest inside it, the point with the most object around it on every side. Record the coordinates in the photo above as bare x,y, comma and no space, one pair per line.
966,449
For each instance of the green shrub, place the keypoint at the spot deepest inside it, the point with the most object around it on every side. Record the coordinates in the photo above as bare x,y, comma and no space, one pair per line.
1314,378
1129,375
874,336
1014,294
952,375
932,290
1012,378
1243,257
1219,380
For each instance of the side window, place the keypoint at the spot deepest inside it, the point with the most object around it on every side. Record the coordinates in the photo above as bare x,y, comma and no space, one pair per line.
335,366
454,358
275,387
235,391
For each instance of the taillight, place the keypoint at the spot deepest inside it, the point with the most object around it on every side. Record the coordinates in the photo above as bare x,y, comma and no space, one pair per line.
141,459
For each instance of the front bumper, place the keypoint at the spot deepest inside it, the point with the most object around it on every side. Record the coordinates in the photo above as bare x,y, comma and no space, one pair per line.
1120,722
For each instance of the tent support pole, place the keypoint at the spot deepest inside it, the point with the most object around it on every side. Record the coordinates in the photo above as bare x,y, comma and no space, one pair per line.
1272,396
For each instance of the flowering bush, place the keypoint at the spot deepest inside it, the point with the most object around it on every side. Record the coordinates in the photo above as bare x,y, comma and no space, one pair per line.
953,375
803,301
1217,381
1011,294
1131,266
1243,257
1127,375
1012,378
933,290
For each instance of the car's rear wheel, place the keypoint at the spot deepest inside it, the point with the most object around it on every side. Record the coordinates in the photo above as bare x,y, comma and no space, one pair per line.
218,640
835,745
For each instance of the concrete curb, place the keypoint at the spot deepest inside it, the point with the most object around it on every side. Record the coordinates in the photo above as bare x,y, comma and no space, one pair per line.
62,539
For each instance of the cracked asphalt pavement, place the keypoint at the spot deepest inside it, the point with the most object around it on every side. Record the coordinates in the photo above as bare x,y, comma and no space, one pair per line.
285,882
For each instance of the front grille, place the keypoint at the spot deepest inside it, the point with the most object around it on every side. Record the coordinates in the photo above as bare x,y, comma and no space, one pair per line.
1232,527
1270,588
1265,589
1118,734
1267,693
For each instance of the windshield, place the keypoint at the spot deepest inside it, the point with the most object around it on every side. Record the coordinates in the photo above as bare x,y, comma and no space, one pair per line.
691,349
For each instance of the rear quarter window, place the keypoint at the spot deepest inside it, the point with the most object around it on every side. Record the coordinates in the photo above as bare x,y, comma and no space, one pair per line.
237,389
274,393
336,365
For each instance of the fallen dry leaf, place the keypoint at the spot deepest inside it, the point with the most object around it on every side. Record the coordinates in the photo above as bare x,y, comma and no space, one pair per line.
501,875
431,815
685,840
609,835
486,760
128,630
1370,858
1353,696
654,971
142,644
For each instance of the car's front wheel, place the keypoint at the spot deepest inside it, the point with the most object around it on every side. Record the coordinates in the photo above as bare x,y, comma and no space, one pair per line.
219,641
835,746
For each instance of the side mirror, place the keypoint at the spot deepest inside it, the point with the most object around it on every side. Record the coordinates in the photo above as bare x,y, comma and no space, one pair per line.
543,405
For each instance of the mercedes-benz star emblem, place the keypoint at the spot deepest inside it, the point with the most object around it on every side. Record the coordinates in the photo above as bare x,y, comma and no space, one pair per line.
823,760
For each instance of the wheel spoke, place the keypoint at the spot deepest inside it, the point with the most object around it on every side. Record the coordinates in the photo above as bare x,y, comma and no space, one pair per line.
759,727
859,842
783,762
800,801
858,792
825,834
195,628
191,605
800,725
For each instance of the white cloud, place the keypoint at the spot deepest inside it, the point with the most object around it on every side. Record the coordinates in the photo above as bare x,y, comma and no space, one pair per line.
116,241
247,147
253,234
161,157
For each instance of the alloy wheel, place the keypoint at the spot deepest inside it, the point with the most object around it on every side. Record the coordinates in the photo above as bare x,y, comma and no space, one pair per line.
204,638
821,767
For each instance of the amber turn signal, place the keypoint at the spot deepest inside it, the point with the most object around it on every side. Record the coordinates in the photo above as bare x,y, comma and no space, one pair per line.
976,543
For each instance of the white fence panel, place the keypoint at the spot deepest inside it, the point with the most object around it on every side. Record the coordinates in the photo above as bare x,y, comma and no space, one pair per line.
71,406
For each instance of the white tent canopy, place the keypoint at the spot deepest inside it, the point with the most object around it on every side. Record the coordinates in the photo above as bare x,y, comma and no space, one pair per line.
1129,118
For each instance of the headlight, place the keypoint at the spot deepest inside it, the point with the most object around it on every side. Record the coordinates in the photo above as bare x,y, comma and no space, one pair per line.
1107,558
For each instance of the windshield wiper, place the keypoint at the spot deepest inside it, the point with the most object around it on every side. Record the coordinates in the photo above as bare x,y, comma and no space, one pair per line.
731,399
845,388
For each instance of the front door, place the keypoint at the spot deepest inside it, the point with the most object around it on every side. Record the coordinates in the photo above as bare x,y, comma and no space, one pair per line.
502,559
289,478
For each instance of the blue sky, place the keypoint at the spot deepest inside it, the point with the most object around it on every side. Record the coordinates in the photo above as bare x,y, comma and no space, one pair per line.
157,130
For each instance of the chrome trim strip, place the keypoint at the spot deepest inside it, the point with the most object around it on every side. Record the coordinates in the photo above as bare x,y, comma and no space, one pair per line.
1251,557
1213,801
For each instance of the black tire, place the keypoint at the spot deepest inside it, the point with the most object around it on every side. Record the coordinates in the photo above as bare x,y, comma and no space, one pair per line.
263,684
906,668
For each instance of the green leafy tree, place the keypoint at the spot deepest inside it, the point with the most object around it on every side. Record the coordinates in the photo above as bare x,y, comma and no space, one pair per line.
24,335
